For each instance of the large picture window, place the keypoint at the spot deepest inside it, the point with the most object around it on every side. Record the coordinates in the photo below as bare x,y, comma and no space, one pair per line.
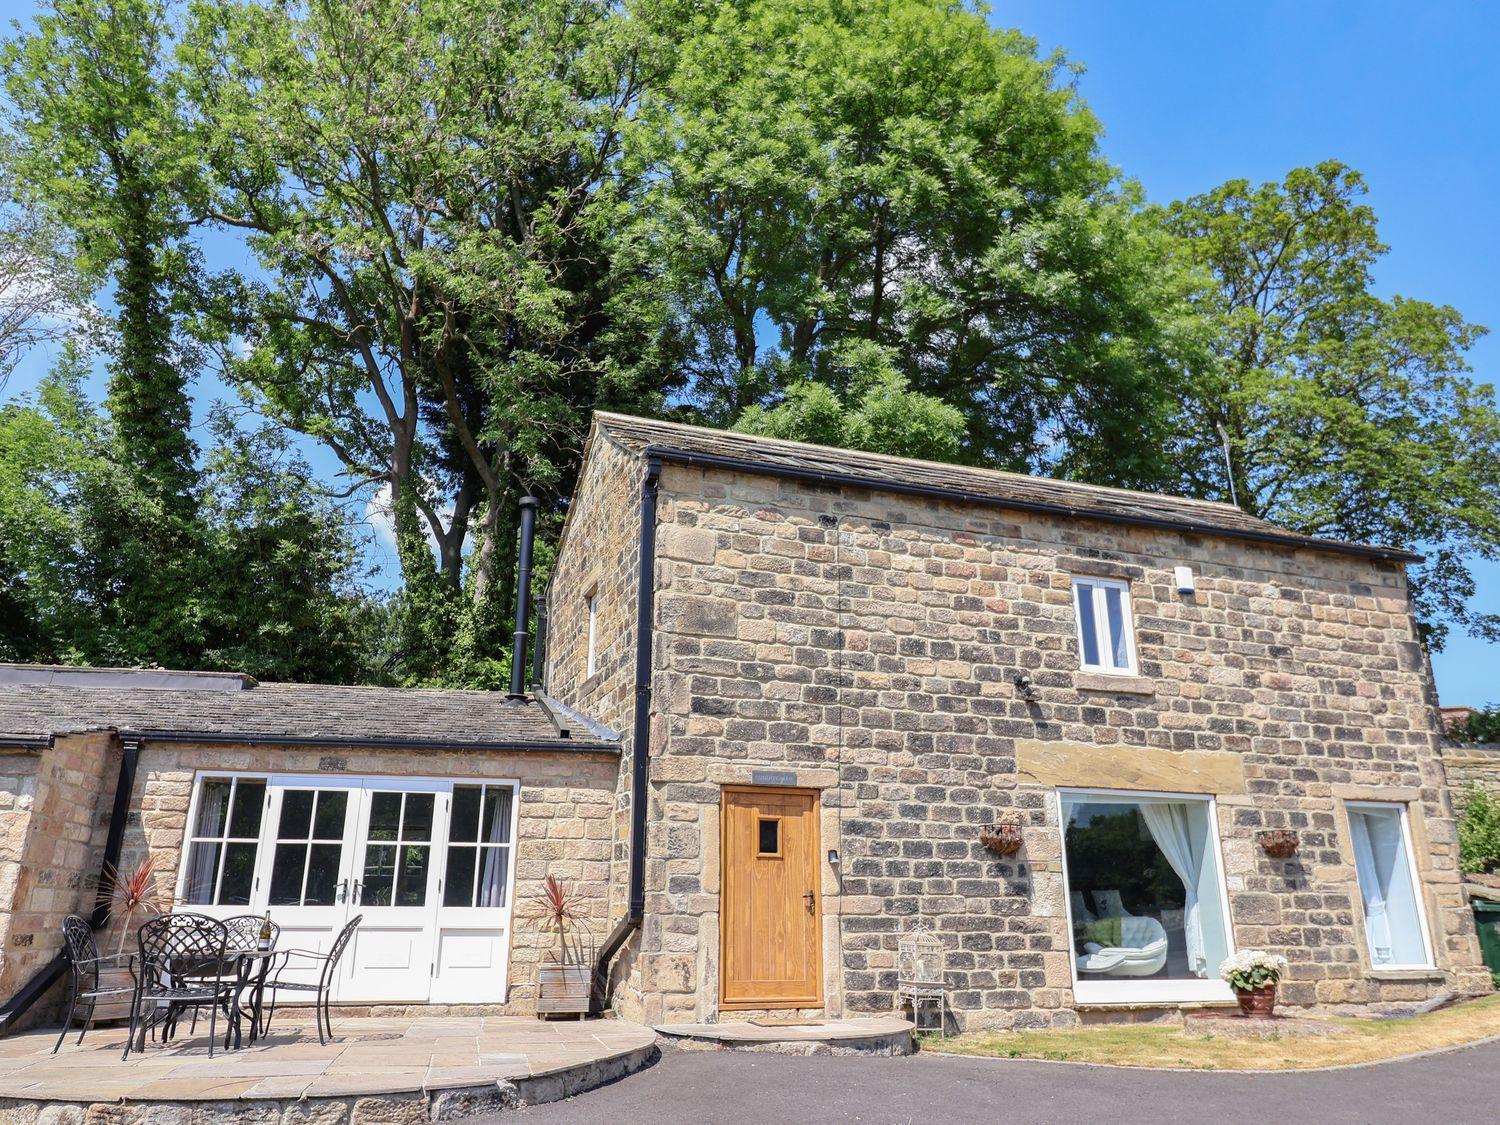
1106,634
1146,901
1395,931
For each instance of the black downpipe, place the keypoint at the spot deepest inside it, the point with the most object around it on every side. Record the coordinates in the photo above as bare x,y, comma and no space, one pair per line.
529,506
34,989
645,603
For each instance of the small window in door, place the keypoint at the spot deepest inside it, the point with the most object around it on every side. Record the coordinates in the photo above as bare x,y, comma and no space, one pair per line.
224,842
309,847
398,851
768,842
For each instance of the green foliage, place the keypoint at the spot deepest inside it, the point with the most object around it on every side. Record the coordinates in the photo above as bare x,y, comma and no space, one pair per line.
1347,415
1481,725
899,172
267,564
1479,831
878,412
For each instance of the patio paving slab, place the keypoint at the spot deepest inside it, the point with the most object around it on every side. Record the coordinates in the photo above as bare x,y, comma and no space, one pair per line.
501,1060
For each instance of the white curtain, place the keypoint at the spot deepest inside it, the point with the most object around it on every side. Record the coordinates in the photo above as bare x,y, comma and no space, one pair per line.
1172,830
1393,924
203,863
493,865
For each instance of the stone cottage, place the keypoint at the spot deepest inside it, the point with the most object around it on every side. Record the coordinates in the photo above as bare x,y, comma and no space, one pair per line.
796,702
837,673
431,814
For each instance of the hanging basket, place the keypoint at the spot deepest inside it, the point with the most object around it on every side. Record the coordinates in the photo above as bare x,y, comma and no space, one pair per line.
1002,839
1280,843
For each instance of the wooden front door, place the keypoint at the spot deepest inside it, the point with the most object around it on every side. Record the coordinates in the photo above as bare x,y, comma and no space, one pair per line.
770,933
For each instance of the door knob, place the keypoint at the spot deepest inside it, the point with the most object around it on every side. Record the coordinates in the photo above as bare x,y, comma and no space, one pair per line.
811,901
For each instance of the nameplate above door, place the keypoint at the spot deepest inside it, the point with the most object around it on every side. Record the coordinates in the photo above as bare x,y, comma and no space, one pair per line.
773,777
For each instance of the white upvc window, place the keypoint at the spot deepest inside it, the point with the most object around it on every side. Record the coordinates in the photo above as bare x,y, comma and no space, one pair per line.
1106,631
1389,887
593,654
1147,903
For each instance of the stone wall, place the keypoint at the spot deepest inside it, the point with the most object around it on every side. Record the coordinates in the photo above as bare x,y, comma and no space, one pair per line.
599,555
868,644
1471,765
54,817
564,819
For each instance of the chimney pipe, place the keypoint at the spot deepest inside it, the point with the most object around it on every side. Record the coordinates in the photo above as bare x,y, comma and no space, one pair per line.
529,505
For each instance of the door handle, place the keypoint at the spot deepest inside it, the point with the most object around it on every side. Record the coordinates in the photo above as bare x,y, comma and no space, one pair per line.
343,891
811,902
359,893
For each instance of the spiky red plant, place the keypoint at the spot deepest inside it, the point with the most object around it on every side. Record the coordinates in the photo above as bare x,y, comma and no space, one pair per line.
132,891
556,909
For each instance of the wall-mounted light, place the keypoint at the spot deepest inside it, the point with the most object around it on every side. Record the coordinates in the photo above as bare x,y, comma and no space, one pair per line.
833,857
1024,688
1186,583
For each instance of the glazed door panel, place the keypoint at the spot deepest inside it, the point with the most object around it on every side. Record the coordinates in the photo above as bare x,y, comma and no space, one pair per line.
770,930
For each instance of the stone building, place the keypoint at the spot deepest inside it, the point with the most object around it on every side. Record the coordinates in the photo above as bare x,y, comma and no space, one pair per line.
854,665
429,813
797,701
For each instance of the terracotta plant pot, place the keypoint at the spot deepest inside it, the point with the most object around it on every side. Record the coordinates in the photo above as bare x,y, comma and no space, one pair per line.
562,988
1256,1003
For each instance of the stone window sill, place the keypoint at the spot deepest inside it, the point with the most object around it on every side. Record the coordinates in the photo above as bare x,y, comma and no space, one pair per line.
1122,685
1407,974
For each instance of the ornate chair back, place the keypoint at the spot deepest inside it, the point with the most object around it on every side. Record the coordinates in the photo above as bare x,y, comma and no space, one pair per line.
175,946
83,952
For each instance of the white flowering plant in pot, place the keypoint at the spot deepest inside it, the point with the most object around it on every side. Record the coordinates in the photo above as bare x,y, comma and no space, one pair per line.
1252,969
1254,974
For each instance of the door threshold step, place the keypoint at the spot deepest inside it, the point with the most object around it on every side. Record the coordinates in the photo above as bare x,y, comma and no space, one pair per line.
857,1035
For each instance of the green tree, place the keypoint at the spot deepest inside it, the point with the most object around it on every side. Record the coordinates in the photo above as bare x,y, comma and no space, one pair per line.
1479,831
432,194
900,172
273,589
877,411
97,146
1346,414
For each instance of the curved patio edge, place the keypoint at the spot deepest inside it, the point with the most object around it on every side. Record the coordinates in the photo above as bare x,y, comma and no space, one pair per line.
286,1094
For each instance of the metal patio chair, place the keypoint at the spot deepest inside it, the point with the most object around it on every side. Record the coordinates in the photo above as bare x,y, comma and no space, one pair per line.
86,962
327,963
182,964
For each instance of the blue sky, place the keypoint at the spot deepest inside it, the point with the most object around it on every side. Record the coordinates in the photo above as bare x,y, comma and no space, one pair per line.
1192,94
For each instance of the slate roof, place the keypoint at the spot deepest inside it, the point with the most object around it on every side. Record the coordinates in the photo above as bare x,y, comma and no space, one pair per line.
698,445
36,702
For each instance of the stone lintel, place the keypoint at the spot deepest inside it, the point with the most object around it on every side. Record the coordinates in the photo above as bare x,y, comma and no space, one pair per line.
1088,766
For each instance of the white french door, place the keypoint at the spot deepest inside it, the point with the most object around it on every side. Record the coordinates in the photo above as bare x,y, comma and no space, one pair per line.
427,863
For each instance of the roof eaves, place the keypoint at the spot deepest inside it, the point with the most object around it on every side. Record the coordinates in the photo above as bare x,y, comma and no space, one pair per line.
521,745
908,488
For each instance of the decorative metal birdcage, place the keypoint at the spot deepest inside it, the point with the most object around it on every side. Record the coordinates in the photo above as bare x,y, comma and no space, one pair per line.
921,963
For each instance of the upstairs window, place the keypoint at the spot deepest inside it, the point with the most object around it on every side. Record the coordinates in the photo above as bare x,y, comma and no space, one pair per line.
1106,634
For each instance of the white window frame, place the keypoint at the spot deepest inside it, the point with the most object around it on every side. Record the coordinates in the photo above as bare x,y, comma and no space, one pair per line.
1144,989
1095,588
1403,812
592,663
190,838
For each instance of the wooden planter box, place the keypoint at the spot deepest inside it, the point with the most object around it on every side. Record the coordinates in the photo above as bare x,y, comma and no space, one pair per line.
563,989
109,1007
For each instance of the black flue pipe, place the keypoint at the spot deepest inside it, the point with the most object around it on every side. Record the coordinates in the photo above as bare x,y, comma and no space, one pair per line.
529,505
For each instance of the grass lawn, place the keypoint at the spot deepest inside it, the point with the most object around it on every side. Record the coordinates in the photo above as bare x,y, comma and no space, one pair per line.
1358,1041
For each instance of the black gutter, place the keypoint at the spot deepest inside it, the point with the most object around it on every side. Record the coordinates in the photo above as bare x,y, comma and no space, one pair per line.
645,608
24,741
218,738
529,505
937,492
34,989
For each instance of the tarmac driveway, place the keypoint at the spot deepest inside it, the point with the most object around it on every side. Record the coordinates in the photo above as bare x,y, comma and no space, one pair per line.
760,1089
